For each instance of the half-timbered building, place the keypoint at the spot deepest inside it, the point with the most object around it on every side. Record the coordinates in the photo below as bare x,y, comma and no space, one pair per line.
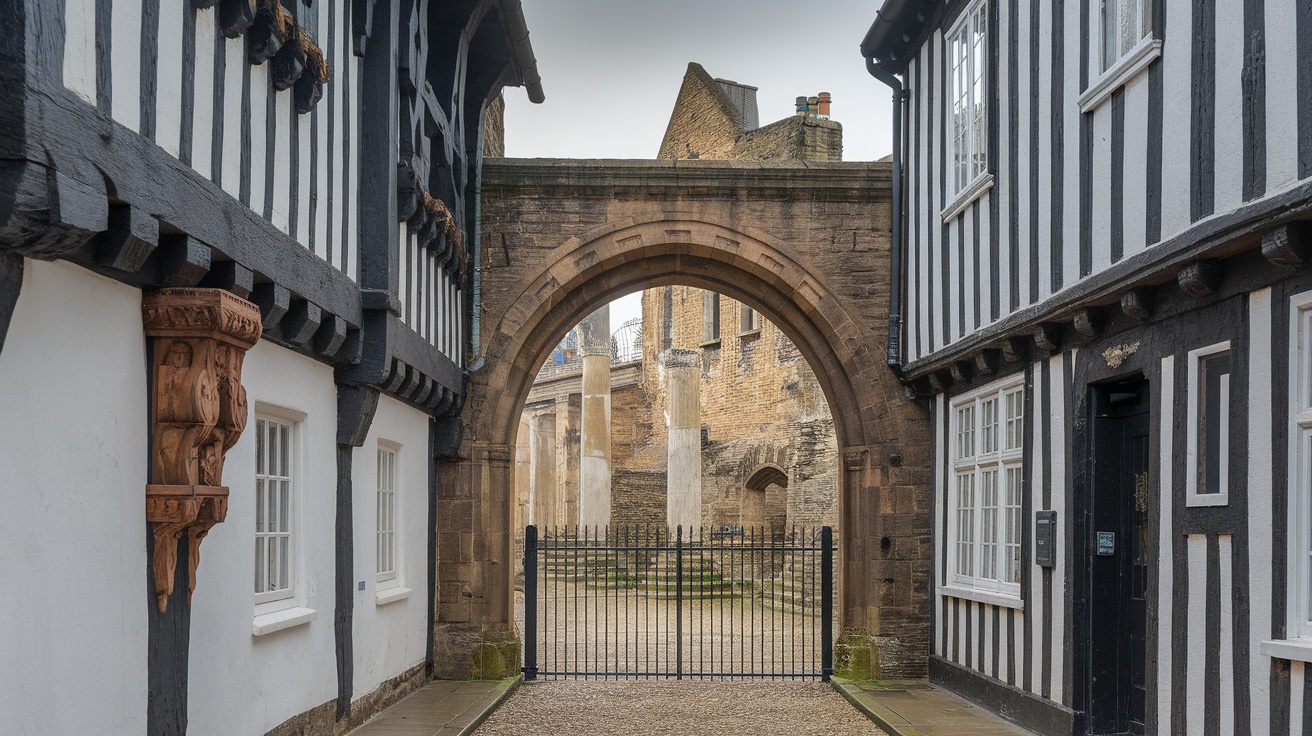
183,182
1105,297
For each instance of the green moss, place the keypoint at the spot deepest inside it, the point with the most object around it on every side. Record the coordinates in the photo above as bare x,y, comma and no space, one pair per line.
852,656
496,657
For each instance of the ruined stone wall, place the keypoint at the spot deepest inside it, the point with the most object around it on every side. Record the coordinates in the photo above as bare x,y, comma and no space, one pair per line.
703,123
798,138
761,405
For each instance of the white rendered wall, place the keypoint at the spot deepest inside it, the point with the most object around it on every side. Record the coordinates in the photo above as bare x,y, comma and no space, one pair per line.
391,637
246,684
73,457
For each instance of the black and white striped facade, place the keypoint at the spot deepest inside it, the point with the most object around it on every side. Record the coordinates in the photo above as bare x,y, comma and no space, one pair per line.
1124,228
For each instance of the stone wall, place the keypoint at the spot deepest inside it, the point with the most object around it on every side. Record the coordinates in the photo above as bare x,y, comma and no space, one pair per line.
704,123
760,405
799,138
494,128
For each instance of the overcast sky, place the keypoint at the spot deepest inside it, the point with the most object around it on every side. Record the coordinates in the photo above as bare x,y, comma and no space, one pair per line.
612,68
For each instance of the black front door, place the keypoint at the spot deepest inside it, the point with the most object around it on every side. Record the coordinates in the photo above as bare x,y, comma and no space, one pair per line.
1118,558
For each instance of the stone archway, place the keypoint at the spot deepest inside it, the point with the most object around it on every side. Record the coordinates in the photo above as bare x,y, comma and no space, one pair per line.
530,304
765,498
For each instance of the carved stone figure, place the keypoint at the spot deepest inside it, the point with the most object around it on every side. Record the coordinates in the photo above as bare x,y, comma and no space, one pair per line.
200,338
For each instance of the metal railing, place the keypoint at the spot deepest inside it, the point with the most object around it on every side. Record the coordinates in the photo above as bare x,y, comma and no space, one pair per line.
645,602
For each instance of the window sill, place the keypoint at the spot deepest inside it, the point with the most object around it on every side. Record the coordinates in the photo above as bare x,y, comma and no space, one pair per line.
391,595
1199,500
1120,73
990,597
967,197
749,334
284,619
1295,650
710,344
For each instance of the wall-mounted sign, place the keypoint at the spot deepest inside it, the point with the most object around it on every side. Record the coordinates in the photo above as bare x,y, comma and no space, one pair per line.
1045,538
1106,543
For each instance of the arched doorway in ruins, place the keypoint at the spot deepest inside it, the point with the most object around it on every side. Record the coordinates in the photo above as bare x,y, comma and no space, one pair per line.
530,306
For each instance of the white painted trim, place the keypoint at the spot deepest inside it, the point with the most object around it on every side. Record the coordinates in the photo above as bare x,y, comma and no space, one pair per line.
1127,68
284,619
1261,439
967,197
1196,652
1192,497
1001,600
1294,650
1299,467
1165,542
392,595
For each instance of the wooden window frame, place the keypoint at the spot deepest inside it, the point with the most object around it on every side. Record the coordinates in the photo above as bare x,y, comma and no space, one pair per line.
984,457
1194,497
386,514
285,514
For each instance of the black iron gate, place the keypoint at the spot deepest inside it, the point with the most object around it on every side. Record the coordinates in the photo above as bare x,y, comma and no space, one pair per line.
645,602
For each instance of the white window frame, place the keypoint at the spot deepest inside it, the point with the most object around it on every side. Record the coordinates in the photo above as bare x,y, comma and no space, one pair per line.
1192,495
1131,61
285,597
1299,608
968,171
976,454
387,514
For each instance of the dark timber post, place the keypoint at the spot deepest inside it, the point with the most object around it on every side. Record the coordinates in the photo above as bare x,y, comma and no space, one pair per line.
826,603
678,603
530,668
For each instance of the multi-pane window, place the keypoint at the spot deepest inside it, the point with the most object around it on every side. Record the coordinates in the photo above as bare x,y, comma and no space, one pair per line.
1208,453
987,434
967,49
274,463
386,515
1300,468
710,316
749,319
1124,24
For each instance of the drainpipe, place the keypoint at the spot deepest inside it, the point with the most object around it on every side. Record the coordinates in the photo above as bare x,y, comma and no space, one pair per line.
899,244
476,252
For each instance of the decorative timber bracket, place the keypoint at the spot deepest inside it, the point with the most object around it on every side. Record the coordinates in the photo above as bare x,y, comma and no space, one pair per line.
199,410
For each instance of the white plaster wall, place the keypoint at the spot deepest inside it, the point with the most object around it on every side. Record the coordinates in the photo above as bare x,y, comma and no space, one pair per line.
73,457
393,637
245,684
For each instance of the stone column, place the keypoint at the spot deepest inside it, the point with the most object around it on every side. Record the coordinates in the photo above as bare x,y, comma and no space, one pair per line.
523,476
542,461
683,495
568,413
594,463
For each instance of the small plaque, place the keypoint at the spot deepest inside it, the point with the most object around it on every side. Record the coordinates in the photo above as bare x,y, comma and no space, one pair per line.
1045,538
1106,543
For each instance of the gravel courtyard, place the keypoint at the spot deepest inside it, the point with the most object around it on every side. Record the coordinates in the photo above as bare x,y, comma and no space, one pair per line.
673,707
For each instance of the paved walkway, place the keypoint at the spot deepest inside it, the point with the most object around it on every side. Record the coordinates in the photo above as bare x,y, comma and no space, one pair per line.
440,708
919,709
455,708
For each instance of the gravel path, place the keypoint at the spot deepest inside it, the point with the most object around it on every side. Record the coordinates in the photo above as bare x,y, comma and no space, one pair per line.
684,708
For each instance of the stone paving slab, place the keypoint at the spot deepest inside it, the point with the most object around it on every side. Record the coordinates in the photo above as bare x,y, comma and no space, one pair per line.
916,708
441,708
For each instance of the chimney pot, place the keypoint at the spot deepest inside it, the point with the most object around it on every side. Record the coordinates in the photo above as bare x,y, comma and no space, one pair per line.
813,105
824,104
801,105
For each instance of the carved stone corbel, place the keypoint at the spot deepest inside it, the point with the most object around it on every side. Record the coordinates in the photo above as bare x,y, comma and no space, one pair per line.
199,410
